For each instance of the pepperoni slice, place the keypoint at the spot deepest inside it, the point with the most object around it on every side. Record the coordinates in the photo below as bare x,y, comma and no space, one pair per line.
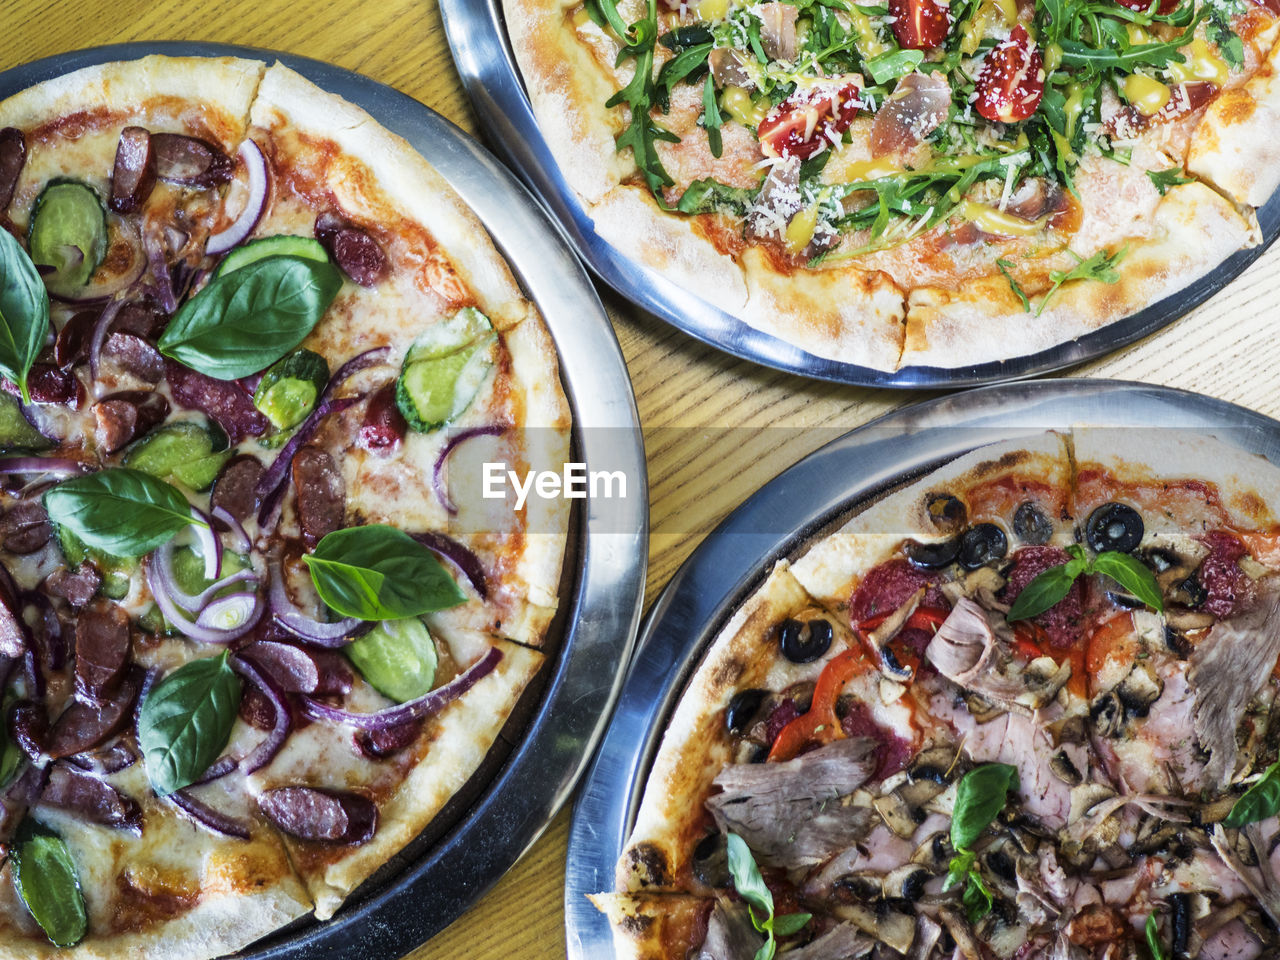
223,402
322,815
134,356
321,494
13,157
123,416
25,528
1061,622
189,161
90,798
84,726
102,649
384,425
357,254
134,174
235,488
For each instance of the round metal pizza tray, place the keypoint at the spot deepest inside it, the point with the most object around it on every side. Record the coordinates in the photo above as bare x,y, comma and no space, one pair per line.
420,894
478,37
780,520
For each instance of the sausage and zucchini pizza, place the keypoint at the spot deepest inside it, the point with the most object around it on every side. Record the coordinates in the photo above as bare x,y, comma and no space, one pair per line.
250,645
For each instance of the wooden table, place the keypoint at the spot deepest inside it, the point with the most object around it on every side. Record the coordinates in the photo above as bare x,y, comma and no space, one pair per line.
1229,348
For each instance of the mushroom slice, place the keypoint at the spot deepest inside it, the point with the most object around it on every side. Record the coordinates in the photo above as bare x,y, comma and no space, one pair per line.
960,933
879,637
895,930
897,815
934,853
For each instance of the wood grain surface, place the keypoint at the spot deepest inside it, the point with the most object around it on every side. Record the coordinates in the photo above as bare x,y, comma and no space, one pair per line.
689,395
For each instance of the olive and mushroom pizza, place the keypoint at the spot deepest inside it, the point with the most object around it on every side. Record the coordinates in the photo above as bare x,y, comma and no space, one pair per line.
250,644
913,182
1025,707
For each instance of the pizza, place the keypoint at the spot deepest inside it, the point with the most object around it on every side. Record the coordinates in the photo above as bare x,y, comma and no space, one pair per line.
1019,708
912,182
258,627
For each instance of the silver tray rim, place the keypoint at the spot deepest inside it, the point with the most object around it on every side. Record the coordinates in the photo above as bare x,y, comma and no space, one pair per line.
804,499
541,771
476,30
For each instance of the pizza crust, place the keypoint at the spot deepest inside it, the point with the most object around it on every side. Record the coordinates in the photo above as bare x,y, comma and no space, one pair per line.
696,743
647,927
1235,147
568,89
457,741
1195,230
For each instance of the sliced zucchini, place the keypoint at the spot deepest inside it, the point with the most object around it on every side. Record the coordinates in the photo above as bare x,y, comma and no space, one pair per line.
16,432
397,657
279,246
288,390
444,369
68,232
182,451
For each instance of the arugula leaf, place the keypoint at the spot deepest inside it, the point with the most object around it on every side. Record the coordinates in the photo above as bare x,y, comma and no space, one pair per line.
24,312
45,876
377,572
1100,267
246,320
120,511
685,65
1164,179
1051,585
641,134
711,117
1260,801
894,64
712,196
186,721
1153,939
1004,266
751,887
1105,57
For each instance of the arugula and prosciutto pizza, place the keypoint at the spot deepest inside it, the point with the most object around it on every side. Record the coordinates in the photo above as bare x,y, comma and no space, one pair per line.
918,182
254,634
1025,707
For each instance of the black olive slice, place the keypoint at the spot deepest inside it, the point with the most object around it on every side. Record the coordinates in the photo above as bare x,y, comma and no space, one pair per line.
1190,592
946,512
804,642
1114,526
982,544
933,556
741,709
1031,524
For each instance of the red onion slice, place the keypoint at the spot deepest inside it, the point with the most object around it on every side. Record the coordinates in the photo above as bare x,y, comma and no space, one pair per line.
197,602
437,481
231,612
461,557
160,276
274,476
293,619
208,817
265,752
53,466
424,706
100,331
219,769
210,543
242,543
158,586
243,225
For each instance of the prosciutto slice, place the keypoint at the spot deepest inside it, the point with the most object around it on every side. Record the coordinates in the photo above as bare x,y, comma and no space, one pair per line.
791,814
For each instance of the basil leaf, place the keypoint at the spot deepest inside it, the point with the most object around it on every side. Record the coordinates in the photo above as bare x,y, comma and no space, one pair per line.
1153,939
380,573
894,64
1046,589
1132,574
747,879
186,721
247,319
958,869
767,950
24,312
789,923
122,512
979,798
46,879
976,898
1260,801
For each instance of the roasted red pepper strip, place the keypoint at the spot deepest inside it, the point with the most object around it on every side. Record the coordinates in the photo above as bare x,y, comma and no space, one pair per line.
921,619
820,724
